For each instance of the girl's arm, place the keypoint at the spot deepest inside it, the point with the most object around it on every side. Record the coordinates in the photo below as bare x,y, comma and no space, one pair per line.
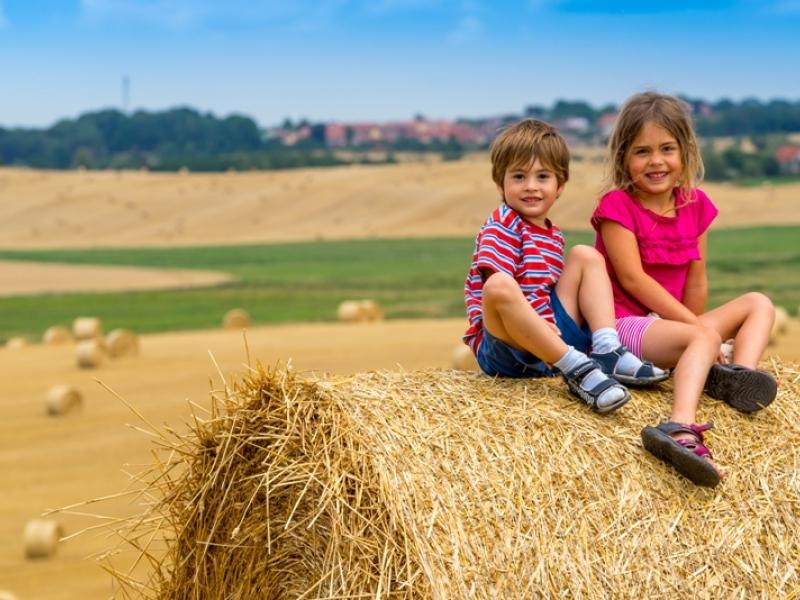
695,293
623,251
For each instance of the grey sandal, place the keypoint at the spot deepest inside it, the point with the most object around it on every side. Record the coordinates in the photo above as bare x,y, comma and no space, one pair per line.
689,456
575,378
647,374
747,390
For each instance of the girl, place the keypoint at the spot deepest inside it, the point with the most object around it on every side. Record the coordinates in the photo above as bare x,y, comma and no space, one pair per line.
651,228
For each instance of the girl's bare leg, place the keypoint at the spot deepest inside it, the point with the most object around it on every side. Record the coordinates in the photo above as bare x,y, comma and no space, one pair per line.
691,350
748,319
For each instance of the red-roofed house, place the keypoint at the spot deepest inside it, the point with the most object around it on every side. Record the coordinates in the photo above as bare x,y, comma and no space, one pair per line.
788,158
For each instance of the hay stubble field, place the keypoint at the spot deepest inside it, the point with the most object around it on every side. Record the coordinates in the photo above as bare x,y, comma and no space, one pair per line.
54,462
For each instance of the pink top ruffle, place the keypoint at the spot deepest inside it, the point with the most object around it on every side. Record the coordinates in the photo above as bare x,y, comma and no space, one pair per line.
666,244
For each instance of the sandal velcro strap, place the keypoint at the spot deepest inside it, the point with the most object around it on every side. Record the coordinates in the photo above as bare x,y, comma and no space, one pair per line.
695,430
575,379
689,456
645,374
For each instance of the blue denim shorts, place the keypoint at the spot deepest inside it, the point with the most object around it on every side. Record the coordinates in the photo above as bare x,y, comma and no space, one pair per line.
495,357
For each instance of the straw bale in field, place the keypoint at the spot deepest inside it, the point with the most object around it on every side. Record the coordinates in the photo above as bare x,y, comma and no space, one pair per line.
62,399
90,353
122,342
41,537
450,485
464,359
236,318
371,310
56,335
349,311
358,311
86,328
15,343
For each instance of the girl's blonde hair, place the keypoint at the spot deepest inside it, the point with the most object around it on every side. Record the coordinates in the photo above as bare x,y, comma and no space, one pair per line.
665,111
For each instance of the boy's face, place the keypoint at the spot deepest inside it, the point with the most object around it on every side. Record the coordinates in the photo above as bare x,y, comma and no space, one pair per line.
531,191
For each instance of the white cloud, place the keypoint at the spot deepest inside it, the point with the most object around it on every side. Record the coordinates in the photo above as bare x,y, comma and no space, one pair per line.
788,6
468,29
184,14
385,6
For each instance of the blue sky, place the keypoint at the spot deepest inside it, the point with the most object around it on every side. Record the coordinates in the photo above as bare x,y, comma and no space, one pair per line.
349,60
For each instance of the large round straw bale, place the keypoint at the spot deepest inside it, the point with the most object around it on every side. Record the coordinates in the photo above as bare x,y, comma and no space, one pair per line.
85,328
349,311
236,318
90,353
443,484
57,334
122,342
464,359
41,537
16,343
63,398
371,310
6,595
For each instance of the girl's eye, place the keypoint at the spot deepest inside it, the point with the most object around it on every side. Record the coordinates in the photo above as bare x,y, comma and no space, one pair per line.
640,152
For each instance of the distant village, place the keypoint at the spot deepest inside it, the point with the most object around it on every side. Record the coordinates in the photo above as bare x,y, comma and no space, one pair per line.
579,131
473,134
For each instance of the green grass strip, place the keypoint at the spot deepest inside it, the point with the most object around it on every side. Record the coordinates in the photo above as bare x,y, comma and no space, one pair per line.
280,283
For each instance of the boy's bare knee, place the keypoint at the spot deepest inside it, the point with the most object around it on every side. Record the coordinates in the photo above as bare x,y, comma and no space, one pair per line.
499,287
585,254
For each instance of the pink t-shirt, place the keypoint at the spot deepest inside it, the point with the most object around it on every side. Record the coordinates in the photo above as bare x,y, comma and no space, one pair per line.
666,244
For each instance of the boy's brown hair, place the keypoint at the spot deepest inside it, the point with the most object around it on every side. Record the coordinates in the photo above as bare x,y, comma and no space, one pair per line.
668,112
522,143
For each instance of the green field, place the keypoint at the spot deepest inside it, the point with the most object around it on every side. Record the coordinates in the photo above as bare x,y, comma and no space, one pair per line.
306,281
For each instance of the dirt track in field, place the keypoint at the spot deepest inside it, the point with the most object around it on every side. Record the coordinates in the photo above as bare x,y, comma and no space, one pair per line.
50,462
28,278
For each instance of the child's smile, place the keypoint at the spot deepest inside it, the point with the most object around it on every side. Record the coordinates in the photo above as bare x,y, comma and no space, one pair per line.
531,191
654,163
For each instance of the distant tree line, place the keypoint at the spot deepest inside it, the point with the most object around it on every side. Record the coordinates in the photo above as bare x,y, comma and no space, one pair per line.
169,140
722,118
185,138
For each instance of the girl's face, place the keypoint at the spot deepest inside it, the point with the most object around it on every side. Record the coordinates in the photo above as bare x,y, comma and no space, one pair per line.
654,163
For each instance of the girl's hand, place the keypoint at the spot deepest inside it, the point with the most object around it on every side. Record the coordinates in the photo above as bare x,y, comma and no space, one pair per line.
725,353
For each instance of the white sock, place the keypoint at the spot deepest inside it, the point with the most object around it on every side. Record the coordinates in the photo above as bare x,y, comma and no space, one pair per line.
605,340
574,358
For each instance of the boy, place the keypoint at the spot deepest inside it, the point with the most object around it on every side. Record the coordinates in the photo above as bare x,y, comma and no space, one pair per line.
528,308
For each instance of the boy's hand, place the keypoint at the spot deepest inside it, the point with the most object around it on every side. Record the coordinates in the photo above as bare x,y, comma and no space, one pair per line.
554,328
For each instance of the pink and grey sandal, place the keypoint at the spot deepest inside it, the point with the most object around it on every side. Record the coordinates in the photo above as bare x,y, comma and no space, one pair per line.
689,456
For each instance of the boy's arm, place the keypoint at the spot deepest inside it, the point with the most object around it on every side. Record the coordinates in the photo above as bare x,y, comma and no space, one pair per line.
623,251
695,294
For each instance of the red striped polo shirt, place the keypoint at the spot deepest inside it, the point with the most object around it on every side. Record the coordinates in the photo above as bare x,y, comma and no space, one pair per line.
532,255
